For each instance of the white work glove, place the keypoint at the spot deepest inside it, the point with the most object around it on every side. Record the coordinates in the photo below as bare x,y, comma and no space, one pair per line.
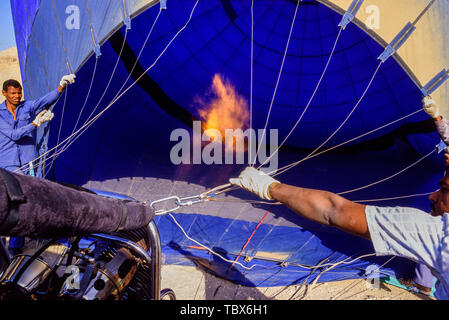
43,117
66,80
255,181
430,107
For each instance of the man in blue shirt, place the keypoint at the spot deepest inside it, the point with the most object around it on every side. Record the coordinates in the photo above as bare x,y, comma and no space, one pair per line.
18,122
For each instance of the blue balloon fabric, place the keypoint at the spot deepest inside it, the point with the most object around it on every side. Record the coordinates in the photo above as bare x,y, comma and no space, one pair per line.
127,149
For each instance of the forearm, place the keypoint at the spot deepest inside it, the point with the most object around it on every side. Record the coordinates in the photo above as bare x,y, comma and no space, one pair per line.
17,134
314,205
47,100
324,208
442,126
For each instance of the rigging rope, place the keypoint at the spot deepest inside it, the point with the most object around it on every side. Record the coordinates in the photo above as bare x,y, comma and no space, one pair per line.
308,104
119,94
68,143
280,74
288,167
80,131
251,87
343,123
390,177
59,131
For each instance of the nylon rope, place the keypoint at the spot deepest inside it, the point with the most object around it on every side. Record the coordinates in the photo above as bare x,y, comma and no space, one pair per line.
251,86
258,265
135,64
310,100
140,54
346,119
337,130
390,177
111,77
215,191
94,73
280,73
287,167
59,130
340,293
91,121
64,147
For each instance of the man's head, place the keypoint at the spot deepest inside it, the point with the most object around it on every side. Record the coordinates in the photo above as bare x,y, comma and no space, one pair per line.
440,198
12,91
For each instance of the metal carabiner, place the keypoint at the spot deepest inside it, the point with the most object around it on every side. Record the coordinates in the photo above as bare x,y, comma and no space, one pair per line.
179,202
176,199
190,201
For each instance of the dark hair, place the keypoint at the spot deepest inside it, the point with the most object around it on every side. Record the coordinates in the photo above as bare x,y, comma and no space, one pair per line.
11,83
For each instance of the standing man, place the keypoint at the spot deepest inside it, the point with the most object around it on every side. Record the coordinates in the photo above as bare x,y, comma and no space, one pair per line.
18,122
423,278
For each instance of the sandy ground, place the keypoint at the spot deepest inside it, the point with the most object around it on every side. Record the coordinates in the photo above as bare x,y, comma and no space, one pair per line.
9,65
192,283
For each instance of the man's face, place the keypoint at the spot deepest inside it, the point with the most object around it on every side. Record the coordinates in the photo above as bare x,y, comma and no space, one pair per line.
440,198
13,95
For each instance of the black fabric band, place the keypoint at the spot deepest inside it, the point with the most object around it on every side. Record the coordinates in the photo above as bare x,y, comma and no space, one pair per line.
16,197
123,218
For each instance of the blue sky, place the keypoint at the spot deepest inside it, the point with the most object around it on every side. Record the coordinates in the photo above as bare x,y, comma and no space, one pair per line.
7,40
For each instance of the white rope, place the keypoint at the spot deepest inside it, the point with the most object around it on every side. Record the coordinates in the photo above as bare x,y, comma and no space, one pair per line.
112,75
129,75
88,95
251,87
310,100
396,198
279,75
140,53
353,285
345,261
352,111
209,249
60,127
80,131
390,177
57,153
288,167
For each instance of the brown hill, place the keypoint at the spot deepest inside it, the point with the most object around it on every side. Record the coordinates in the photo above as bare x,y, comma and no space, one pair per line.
9,65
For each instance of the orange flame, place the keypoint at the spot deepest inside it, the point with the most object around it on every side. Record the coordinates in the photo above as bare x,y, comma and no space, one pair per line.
225,110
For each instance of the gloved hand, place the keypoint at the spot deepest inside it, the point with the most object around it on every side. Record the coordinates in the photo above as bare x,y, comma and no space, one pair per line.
255,181
66,80
430,107
43,117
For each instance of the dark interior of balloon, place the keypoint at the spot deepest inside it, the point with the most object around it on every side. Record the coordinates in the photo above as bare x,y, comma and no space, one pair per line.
128,149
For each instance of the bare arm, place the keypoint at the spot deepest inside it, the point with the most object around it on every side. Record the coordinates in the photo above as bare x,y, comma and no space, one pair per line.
324,207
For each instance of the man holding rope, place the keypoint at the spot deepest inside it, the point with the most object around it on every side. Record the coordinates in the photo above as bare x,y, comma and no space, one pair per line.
18,130
423,278
398,231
